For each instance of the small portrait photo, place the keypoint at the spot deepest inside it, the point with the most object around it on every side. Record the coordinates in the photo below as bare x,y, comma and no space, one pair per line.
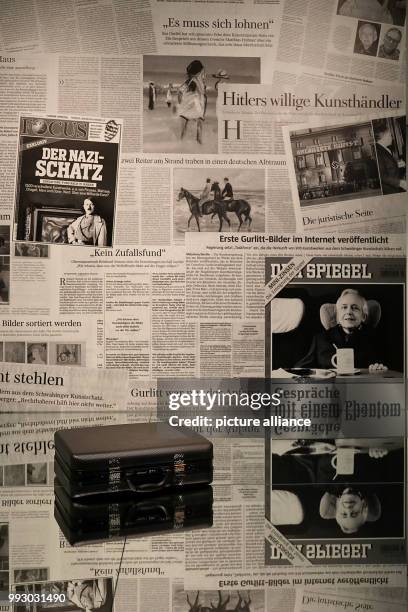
218,199
179,99
383,11
14,352
67,354
36,473
192,601
4,240
14,475
390,43
21,249
367,37
4,279
1,351
335,163
37,352
31,575
389,137
1,476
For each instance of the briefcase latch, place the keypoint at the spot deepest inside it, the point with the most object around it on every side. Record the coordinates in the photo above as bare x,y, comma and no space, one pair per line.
153,480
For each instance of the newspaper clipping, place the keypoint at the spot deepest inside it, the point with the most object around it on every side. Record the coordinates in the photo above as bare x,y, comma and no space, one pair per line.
232,174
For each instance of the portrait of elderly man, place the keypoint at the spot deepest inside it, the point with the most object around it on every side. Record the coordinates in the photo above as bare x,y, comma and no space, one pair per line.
389,47
351,509
349,332
366,9
366,39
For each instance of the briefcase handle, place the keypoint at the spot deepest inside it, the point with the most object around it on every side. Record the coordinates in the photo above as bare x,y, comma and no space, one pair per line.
148,486
159,510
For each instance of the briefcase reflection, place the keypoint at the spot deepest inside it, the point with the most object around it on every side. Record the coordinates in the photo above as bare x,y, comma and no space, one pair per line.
103,517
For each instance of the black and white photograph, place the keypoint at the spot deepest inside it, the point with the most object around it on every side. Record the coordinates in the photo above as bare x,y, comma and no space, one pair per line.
37,474
67,354
1,351
14,475
67,184
349,330
22,249
1,476
4,240
367,36
352,162
336,163
338,510
335,327
179,99
75,595
32,574
390,44
37,352
14,352
214,199
383,11
346,460
217,601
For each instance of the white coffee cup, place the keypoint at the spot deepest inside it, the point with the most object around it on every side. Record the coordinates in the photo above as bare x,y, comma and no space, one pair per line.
343,461
343,360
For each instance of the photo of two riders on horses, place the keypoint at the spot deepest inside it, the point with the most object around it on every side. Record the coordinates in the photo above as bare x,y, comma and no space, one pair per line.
230,202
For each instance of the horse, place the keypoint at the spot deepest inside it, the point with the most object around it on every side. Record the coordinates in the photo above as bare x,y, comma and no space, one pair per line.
208,208
239,207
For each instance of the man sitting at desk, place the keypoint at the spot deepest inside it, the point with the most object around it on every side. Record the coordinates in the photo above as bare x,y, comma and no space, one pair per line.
350,332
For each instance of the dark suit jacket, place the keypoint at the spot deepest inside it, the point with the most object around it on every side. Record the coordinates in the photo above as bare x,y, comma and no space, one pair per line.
364,342
389,171
227,191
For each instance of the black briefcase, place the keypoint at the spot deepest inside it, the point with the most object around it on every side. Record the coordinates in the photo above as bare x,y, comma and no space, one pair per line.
141,457
104,517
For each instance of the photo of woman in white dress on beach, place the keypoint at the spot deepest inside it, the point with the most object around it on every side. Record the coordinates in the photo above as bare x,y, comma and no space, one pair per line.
183,119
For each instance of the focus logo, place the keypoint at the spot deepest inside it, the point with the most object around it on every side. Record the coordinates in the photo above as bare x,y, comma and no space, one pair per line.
60,128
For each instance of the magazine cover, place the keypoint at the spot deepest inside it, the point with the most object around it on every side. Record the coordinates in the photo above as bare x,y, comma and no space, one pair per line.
335,491
67,178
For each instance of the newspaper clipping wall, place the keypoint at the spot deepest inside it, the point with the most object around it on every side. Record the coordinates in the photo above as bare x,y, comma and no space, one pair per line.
233,177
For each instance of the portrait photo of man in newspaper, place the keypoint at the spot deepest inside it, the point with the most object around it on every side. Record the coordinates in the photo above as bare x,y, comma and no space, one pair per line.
340,322
390,44
367,36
